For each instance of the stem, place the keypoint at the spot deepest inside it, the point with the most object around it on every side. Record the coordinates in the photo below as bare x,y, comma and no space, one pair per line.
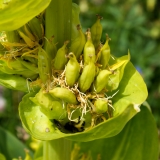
58,149
58,21
58,18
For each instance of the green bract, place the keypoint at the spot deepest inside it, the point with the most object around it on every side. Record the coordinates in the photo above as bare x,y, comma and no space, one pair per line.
132,93
138,140
15,13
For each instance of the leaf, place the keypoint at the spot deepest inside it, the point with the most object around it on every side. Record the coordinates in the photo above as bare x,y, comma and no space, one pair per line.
42,128
137,141
117,64
15,13
126,104
132,86
120,61
17,67
10,146
14,82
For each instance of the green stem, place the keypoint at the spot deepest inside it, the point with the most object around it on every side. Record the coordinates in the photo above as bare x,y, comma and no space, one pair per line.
58,18
59,149
58,21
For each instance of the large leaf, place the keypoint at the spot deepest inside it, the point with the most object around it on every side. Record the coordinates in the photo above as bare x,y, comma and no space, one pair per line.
134,84
126,105
137,141
15,13
131,88
42,128
10,146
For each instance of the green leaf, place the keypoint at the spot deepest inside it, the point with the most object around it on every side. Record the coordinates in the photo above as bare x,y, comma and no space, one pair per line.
15,13
18,67
14,82
117,64
137,141
132,86
132,93
10,146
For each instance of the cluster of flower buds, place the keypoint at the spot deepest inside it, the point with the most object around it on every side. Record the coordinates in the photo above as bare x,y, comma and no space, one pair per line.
73,81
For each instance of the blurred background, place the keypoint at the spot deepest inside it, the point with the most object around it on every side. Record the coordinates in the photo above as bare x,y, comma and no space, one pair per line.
131,24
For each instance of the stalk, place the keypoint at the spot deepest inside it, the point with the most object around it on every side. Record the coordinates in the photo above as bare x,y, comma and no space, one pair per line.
58,18
58,24
58,149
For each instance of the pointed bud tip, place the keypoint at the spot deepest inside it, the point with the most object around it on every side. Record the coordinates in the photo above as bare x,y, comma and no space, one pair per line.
99,17
66,42
78,26
88,34
107,37
71,55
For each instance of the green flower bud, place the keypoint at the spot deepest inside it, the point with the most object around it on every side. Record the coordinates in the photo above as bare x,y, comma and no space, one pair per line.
96,31
87,76
36,28
60,60
44,65
78,43
27,39
89,50
101,81
64,94
72,70
100,106
104,54
52,108
50,48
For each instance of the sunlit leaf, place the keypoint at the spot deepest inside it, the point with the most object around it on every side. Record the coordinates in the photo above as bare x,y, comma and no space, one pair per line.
15,13
42,128
132,86
137,141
